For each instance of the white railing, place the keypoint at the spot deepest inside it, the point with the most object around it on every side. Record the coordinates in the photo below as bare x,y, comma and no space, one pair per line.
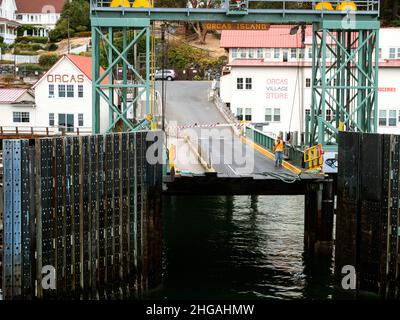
42,131
18,59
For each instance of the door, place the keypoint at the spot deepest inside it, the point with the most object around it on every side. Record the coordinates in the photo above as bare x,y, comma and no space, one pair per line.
66,122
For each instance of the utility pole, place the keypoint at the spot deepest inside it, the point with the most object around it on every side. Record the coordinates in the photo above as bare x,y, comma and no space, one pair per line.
69,47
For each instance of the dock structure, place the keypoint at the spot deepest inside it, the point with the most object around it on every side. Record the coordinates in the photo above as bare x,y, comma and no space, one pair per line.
86,213
368,225
82,214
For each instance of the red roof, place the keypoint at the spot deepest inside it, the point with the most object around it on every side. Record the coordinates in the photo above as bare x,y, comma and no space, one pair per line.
277,36
39,6
85,65
11,95
395,63
262,63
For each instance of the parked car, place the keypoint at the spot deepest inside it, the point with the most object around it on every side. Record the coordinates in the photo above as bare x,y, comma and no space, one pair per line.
169,75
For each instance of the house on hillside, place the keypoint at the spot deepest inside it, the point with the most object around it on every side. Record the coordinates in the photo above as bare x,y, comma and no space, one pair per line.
42,14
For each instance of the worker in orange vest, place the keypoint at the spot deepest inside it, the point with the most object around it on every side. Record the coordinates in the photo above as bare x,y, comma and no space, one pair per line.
278,150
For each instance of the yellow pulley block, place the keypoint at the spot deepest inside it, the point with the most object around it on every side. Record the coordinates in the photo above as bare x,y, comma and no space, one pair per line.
120,3
143,4
149,117
324,6
346,6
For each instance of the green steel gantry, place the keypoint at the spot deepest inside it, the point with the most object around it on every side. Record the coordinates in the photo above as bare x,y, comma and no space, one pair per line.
346,83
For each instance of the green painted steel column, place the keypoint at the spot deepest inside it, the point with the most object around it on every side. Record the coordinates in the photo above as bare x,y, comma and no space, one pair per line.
124,74
147,84
343,56
361,82
307,137
321,134
376,80
314,84
96,72
110,76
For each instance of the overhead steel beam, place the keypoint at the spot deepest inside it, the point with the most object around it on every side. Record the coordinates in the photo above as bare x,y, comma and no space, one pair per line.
126,16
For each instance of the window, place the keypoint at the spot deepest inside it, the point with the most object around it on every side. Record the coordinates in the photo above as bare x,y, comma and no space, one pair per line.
398,53
249,84
310,52
243,53
268,53
308,83
234,53
382,118
61,90
80,119
293,53
301,53
285,55
247,116
268,114
239,114
66,122
80,91
328,115
51,119
70,91
392,118
239,83
277,115
392,53
21,117
277,53
380,53
51,90
260,54
251,53
272,115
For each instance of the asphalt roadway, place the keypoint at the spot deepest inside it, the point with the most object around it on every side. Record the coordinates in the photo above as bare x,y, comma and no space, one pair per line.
188,105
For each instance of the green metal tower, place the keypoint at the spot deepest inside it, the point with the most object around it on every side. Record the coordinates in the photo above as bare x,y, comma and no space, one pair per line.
346,84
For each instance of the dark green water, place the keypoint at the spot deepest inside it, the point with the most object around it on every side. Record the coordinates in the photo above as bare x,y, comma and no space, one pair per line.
240,248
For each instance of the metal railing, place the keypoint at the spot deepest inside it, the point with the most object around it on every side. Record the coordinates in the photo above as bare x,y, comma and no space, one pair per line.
294,154
43,131
370,6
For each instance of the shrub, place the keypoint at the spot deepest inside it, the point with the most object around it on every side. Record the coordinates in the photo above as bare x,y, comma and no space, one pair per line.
27,39
36,47
52,47
48,59
6,62
31,67
83,34
81,29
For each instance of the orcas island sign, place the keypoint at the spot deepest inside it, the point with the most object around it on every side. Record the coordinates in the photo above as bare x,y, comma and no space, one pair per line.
235,26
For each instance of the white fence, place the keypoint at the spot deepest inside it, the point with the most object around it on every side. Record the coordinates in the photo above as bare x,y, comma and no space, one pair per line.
18,59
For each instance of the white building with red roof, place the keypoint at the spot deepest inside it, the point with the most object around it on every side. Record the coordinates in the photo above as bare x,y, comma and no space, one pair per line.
16,107
42,14
63,96
268,81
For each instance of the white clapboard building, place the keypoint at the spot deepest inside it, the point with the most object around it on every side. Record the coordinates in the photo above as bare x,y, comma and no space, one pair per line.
268,80
60,101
